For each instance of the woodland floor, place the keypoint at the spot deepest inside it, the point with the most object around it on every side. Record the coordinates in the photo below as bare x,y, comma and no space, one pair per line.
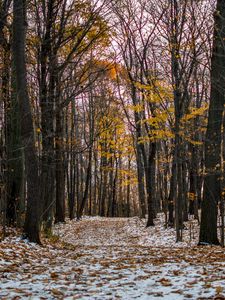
105,258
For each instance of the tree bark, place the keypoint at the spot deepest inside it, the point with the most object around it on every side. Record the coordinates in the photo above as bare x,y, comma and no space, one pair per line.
213,142
47,119
60,170
32,219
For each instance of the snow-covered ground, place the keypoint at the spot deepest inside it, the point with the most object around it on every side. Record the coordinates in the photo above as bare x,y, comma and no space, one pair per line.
105,258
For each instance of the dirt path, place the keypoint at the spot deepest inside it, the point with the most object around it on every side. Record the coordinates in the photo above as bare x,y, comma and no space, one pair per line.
122,259
100,258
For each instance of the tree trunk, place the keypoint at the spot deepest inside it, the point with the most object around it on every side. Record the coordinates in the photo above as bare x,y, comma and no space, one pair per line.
213,149
150,184
87,185
171,197
141,179
32,219
60,170
47,119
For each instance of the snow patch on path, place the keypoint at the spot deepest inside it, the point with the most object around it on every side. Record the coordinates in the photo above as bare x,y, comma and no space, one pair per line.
105,258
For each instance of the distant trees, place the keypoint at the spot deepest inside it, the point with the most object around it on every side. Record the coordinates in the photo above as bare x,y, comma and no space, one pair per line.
135,39
60,53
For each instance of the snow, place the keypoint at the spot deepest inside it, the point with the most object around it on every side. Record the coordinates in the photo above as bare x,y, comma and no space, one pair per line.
105,258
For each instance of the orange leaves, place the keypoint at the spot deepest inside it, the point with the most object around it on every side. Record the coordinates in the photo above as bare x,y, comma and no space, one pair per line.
54,275
107,255
165,281
57,292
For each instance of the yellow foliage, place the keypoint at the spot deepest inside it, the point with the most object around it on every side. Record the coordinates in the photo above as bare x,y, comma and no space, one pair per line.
156,92
163,134
136,108
194,113
145,87
191,196
156,134
196,143
223,193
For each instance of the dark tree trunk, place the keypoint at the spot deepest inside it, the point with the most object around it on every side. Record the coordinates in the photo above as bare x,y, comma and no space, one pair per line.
178,105
128,210
47,119
60,170
150,184
111,173
222,206
13,151
71,165
193,189
15,195
213,149
185,191
103,185
32,219
141,181
87,185
172,195
114,204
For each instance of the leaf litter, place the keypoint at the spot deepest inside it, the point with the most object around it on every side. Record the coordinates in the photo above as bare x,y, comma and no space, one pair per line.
112,258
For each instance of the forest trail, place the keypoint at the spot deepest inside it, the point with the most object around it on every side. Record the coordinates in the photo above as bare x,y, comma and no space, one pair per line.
105,258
